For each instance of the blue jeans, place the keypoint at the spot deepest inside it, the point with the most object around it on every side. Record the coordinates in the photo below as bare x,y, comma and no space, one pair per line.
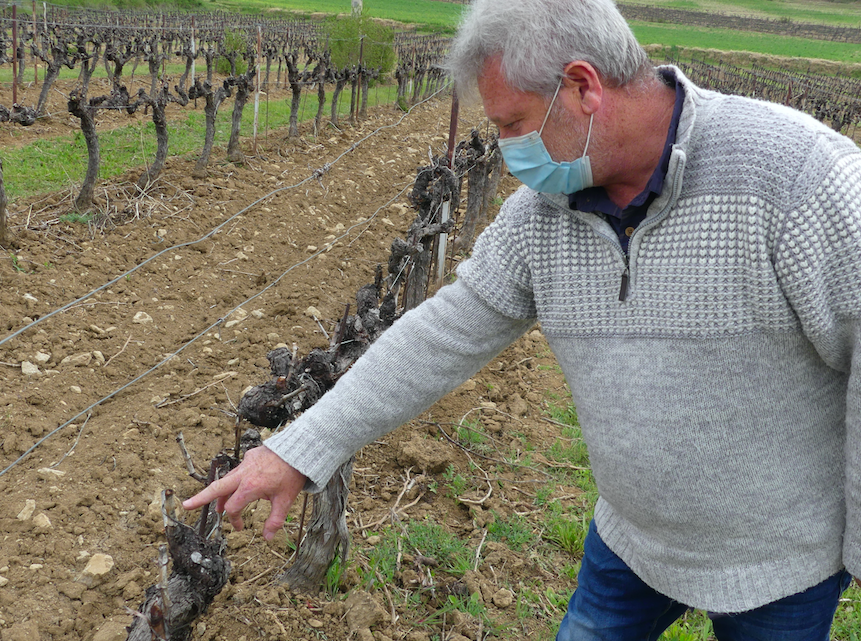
612,604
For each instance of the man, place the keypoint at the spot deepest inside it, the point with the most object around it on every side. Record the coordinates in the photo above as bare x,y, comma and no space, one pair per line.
695,262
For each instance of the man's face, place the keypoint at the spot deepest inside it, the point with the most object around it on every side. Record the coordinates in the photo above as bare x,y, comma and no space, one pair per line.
517,113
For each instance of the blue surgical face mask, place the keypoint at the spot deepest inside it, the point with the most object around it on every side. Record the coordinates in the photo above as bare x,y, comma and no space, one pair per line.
530,162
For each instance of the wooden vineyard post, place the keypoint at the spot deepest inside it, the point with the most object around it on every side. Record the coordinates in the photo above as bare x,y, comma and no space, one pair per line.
445,212
361,78
14,54
257,93
193,52
35,64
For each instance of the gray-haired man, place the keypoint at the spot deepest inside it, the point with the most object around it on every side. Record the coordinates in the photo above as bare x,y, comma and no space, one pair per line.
694,260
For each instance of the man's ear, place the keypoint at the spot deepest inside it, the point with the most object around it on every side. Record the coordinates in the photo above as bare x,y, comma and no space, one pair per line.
583,83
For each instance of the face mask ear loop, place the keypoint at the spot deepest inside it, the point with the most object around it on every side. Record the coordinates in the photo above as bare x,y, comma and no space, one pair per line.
588,135
547,115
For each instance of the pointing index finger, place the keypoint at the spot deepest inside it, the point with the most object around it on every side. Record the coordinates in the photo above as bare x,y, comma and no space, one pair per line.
223,487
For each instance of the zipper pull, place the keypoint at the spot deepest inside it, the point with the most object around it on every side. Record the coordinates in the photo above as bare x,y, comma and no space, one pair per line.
623,288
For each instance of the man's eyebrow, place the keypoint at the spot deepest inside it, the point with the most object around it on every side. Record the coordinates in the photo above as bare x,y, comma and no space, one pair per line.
506,119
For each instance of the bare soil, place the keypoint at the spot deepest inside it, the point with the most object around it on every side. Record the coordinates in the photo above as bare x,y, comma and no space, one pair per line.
80,517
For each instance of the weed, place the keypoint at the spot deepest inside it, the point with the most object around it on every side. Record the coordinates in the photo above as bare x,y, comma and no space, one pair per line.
470,434
75,217
847,619
472,606
568,533
693,626
382,560
573,452
457,483
431,539
563,413
334,576
557,600
528,603
514,531
571,571
543,494
16,263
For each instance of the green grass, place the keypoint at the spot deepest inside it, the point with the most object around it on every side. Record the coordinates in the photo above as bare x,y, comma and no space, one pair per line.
61,163
847,620
692,626
425,538
429,14
457,483
515,531
728,40
845,13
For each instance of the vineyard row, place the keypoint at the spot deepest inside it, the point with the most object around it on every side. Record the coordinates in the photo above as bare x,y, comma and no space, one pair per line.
780,26
307,58
834,101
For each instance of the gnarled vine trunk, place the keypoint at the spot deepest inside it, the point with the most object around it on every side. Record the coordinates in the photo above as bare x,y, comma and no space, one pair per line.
214,98
244,85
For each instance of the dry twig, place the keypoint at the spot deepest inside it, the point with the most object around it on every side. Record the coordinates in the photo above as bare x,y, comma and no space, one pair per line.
107,362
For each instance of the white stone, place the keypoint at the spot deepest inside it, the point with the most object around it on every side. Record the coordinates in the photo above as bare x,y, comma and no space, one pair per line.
75,389
31,298
27,512
78,360
141,318
29,369
99,565
238,314
42,357
99,357
313,312
3,581
258,314
50,474
42,520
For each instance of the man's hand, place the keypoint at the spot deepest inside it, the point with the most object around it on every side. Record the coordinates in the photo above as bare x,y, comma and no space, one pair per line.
261,475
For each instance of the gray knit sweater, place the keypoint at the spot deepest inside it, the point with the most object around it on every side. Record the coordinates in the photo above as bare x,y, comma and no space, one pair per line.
719,401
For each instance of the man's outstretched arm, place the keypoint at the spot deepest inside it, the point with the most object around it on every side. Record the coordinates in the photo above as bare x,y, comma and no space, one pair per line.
418,360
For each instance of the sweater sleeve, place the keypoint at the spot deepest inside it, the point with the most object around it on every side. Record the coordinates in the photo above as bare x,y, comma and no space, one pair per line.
497,270
424,355
818,265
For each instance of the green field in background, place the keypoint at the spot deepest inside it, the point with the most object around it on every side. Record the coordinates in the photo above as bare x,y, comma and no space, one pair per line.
845,13
730,40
